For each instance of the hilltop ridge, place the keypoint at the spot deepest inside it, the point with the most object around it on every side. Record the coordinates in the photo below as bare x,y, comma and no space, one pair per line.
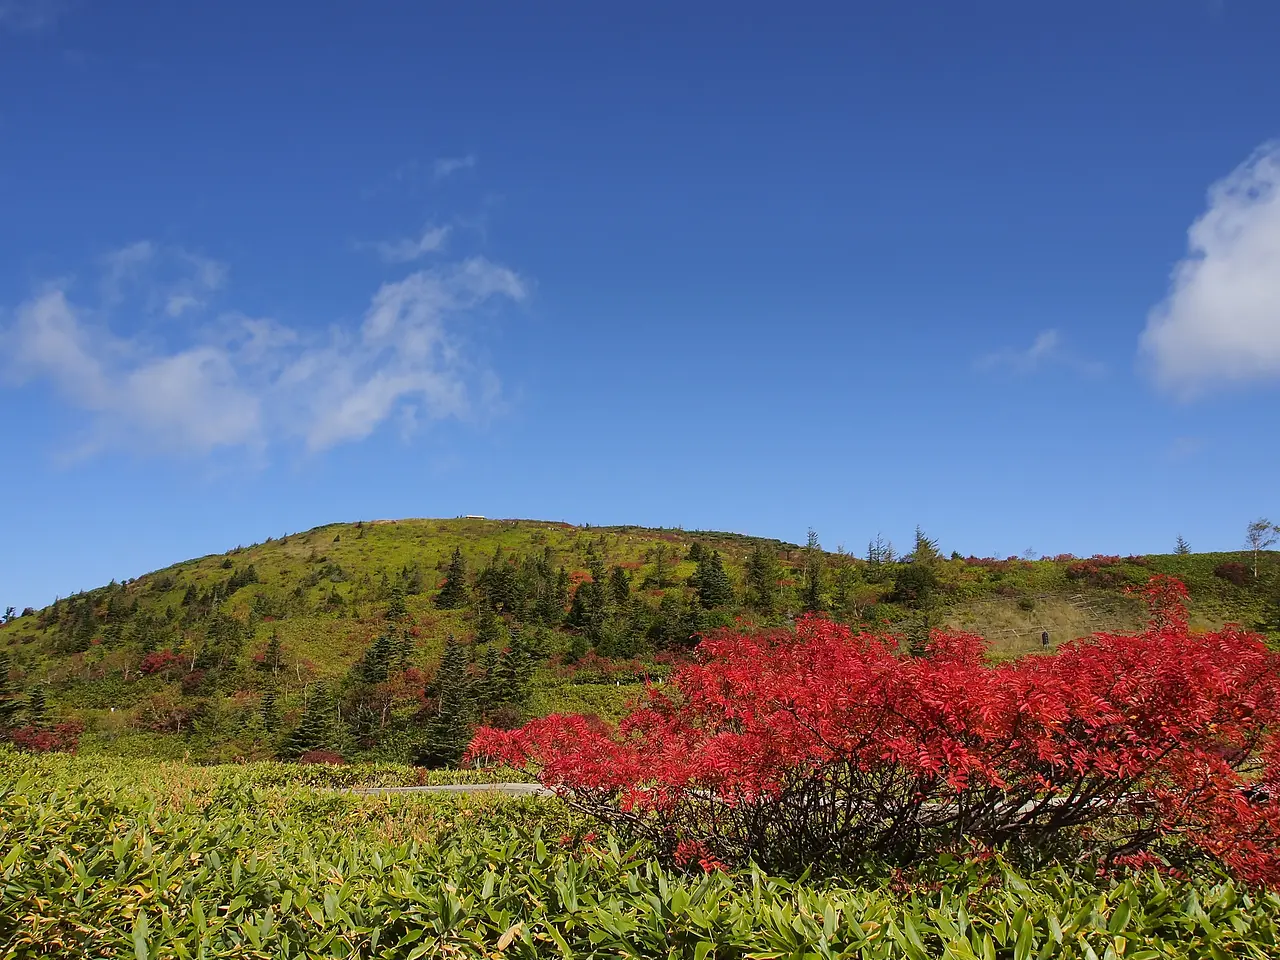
219,656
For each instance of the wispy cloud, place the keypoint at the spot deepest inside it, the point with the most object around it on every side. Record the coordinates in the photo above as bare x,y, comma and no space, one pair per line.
1047,349
448,166
30,16
1220,322
175,281
243,382
409,249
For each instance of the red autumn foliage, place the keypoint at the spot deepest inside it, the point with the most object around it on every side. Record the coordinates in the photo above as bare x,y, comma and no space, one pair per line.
827,748
159,661
61,738
322,756
1233,572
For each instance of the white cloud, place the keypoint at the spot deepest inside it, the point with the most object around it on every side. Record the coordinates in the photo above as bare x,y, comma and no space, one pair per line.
1220,322
175,280
447,166
1046,349
188,400
407,250
244,382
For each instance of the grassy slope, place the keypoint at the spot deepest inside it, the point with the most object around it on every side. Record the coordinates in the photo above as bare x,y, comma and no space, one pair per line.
1009,601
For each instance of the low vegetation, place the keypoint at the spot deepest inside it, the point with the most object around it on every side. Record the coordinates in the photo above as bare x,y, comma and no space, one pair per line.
110,857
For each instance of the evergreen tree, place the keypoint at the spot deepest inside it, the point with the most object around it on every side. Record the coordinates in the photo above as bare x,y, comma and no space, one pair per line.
270,710
813,573
660,557
375,665
489,627
619,586
926,550
489,691
454,592
37,707
763,574
396,609
715,589
315,729
404,650
272,656
1183,548
449,731
10,704
516,668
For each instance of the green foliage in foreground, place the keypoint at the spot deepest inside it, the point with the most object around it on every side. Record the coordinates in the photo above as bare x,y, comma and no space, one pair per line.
112,858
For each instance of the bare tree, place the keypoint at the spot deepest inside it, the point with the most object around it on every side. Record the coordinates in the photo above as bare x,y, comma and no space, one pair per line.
1262,534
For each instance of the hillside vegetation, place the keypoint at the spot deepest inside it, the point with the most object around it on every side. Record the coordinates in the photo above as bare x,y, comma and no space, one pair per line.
390,640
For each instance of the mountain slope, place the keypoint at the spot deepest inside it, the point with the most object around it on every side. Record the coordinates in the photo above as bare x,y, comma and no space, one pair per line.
338,632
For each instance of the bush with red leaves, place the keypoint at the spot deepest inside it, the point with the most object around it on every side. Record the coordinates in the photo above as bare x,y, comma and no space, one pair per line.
60,738
829,749
1233,572
159,661
322,756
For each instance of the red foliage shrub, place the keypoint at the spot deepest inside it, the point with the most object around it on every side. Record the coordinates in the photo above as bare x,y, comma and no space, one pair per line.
1233,572
62,738
827,748
322,756
191,681
159,661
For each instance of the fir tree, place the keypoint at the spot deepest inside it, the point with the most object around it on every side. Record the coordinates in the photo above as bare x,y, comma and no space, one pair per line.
1183,548
489,691
315,728
449,731
396,609
37,708
375,665
454,592
763,574
715,589
516,668
926,550
404,650
813,573
619,586
10,704
272,656
270,710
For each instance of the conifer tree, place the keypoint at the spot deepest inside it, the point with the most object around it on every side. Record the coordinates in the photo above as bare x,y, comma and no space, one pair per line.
763,574
315,728
715,589
449,730
10,704
37,707
376,662
619,586
404,650
1182,548
454,592
813,573
489,691
396,609
272,656
516,668
270,710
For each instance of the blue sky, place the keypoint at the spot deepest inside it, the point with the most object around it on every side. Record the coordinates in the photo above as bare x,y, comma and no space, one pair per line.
1010,271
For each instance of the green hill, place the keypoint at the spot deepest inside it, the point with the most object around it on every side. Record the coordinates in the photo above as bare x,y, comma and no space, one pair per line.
336,638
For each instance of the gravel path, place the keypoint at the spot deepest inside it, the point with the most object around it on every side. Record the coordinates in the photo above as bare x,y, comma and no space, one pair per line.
507,789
